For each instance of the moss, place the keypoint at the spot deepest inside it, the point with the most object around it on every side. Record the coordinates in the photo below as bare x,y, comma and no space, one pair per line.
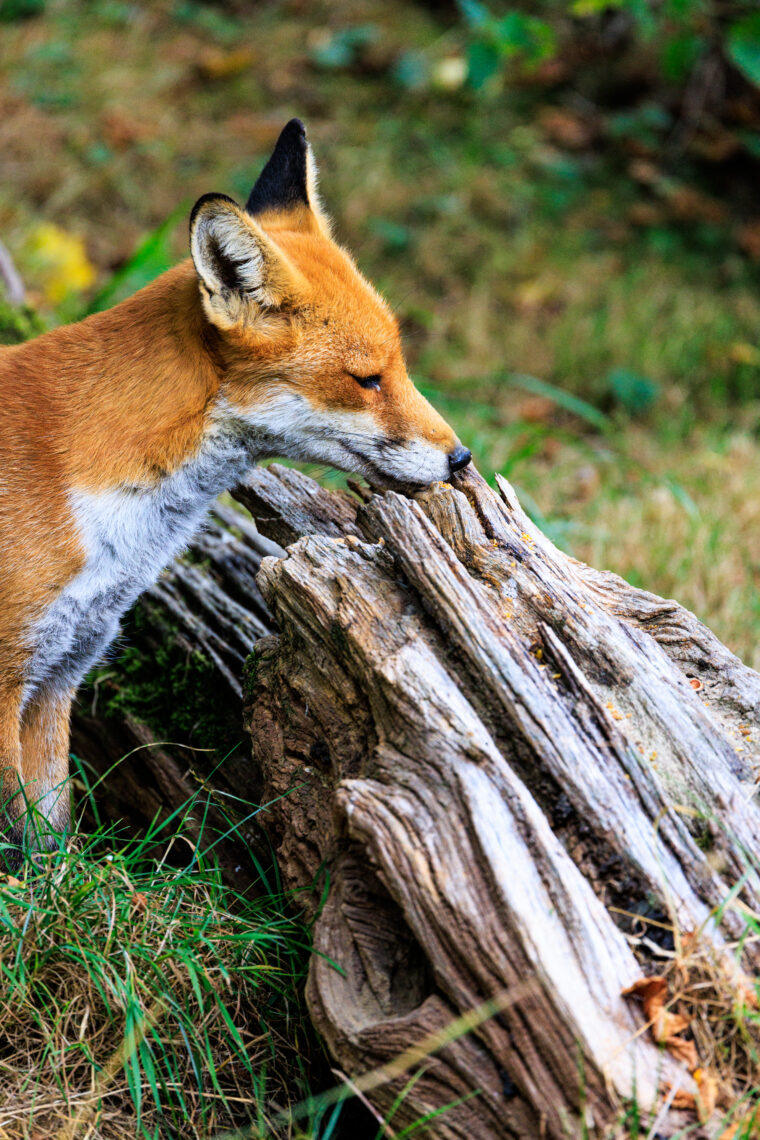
177,694
18,324
264,651
702,835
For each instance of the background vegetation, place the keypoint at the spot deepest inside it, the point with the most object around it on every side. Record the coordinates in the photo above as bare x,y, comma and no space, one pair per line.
560,199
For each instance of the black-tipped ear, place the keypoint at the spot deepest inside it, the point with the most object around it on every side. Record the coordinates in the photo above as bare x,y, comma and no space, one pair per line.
283,183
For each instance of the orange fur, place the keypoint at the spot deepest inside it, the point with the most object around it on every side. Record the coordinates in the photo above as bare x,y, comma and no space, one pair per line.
263,344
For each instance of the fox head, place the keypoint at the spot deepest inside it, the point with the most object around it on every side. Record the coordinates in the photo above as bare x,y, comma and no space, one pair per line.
313,365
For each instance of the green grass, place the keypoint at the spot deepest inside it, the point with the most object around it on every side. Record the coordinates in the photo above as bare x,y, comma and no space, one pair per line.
142,998
145,998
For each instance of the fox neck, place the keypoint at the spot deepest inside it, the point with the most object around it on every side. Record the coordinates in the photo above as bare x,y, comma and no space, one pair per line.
141,395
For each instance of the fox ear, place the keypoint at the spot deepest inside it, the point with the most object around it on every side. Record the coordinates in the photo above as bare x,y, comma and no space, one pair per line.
241,270
285,194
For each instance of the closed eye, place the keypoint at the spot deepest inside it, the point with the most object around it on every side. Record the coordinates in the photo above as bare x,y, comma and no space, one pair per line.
372,381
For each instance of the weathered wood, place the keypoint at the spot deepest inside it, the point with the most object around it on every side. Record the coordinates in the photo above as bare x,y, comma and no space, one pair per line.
495,750
494,758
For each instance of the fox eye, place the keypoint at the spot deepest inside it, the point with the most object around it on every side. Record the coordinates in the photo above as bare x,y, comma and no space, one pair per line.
372,381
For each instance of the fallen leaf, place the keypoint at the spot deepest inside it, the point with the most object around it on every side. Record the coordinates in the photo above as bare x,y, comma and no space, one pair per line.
685,1101
745,1128
547,74
747,993
715,147
665,1026
652,992
643,171
58,262
682,1050
646,214
538,293
121,130
707,1097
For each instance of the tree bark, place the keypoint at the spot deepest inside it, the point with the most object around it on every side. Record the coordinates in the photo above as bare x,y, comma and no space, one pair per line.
490,751
495,764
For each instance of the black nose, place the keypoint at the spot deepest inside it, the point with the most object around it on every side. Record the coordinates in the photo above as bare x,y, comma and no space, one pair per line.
459,457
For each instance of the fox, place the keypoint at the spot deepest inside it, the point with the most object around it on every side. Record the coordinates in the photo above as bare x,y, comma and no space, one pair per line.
118,432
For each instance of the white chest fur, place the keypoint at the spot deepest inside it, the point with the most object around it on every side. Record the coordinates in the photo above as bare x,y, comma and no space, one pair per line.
129,535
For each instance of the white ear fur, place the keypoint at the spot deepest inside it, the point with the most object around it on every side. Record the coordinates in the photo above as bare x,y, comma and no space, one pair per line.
240,268
324,223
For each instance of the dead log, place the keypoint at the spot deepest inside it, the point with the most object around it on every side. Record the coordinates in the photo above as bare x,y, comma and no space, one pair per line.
511,777
498,757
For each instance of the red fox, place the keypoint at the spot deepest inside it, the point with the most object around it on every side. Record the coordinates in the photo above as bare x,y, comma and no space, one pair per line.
118,432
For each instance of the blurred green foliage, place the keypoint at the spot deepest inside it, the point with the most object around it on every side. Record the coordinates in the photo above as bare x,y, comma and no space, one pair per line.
570,239
679,33
496,41
11,10
153,256
18,324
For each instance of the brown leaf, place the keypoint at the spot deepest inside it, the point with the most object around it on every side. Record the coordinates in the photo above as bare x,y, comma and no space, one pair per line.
643,171
715,147
682,1050
121,130
702,1103
686,1101
737,1129
707,1097
747,993
646,214
651,989
665,1026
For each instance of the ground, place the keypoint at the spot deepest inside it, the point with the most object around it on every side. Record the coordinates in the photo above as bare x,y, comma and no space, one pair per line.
597,348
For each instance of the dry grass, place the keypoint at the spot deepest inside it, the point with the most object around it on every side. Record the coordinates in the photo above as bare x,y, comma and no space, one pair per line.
683,522
713,1011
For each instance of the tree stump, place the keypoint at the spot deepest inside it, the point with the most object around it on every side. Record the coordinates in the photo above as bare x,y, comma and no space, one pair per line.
493,758
501,781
